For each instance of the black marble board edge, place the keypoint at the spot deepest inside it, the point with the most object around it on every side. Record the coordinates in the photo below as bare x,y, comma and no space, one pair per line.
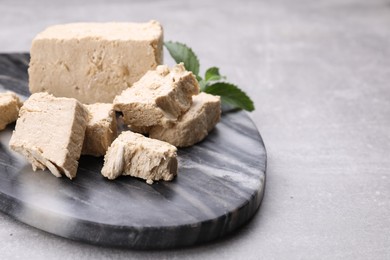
201,233
205,232
129,235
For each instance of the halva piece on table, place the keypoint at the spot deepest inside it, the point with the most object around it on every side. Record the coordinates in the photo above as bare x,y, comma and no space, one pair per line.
50,133
9,108
101,129
138,156
93,62
158,98
194,125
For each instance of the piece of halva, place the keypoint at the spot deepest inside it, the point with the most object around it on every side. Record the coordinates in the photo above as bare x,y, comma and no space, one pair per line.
101,129
50,133
158,98
138,156
194,125
9,108
93,62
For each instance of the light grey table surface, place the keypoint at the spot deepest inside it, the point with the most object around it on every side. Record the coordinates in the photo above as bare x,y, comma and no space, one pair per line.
319,73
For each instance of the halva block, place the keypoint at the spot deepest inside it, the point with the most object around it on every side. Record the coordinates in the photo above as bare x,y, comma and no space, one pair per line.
138,156
101,129
50,133
93,62
9,108
160,97
194,125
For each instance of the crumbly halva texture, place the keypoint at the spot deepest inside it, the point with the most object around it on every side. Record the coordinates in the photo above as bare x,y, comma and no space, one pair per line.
194,125
160,97
93,62
101,129
9,108
138,156
140,129
50,133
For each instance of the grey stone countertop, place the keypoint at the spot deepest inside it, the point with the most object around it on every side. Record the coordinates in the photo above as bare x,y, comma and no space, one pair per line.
319,74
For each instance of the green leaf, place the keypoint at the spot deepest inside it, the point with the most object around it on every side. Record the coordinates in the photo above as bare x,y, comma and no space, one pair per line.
212,74
182,53
198,78
231,95
202,84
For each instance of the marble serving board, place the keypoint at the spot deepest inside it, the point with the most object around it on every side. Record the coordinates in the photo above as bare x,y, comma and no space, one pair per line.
219,187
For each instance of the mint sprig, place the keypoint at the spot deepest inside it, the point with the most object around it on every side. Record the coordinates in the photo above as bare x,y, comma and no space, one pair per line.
213,82
213,74
230,95
181,53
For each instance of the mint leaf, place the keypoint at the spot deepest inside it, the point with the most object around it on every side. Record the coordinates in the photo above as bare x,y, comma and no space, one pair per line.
182,53
198,78
202,84
212,74
231,95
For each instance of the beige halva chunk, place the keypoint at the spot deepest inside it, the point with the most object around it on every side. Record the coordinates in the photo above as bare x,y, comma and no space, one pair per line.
194,125
93,62
138,156
101,129
9,108
158,98
50,133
